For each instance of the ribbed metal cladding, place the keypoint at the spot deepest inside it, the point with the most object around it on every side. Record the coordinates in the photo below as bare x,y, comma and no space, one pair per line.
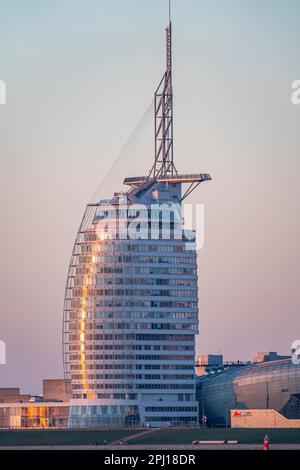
269,385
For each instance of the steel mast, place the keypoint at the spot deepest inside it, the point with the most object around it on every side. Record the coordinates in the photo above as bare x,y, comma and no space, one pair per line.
163,116
163,169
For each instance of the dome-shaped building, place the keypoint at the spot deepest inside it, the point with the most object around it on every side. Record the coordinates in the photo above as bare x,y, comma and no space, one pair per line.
271,385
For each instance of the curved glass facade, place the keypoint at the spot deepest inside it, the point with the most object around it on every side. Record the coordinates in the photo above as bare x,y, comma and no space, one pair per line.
93,416
131,302
130,320
274,385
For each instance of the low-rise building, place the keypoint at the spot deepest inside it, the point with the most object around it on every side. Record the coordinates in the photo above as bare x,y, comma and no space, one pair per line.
12,395
207,362
34,415
57,389
50,410
268,356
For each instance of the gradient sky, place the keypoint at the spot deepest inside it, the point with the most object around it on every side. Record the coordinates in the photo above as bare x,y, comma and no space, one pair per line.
79,75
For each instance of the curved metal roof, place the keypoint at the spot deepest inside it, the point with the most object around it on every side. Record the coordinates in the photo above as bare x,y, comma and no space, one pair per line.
271,367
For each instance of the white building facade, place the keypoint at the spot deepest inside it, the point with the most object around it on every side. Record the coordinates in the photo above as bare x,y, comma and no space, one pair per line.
131,303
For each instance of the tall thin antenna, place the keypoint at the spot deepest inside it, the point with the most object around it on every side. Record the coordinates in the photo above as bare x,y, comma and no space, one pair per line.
163,109
163,169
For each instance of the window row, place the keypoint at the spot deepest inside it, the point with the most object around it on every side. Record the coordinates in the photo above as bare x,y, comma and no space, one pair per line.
83,259
97,357
94,303
131,247
133,386
88,376
165,409
133,347
130,366
134,281
89,326
91,292
131,337
77,315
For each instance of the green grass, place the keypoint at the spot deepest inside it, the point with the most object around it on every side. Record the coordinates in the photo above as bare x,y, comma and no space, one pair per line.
244,436
56,437
159,437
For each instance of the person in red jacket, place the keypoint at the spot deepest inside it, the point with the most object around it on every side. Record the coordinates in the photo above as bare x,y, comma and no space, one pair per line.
266,442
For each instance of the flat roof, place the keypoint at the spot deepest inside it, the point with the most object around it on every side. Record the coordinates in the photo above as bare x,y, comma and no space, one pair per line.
188,178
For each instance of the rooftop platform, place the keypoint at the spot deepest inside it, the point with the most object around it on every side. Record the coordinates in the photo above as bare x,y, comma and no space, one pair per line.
190,178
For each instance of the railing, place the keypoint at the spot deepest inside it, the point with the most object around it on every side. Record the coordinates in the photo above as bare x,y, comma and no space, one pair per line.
194,176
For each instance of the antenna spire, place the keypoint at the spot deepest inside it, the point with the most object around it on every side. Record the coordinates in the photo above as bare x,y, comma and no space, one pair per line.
163,169
163,109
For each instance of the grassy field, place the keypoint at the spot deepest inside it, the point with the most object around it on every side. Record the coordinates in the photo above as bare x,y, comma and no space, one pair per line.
244,436
55,437
159,437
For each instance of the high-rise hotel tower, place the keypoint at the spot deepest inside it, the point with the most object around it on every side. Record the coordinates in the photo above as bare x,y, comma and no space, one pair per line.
131,303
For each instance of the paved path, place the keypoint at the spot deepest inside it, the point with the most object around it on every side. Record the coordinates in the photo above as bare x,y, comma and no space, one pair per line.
132,437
